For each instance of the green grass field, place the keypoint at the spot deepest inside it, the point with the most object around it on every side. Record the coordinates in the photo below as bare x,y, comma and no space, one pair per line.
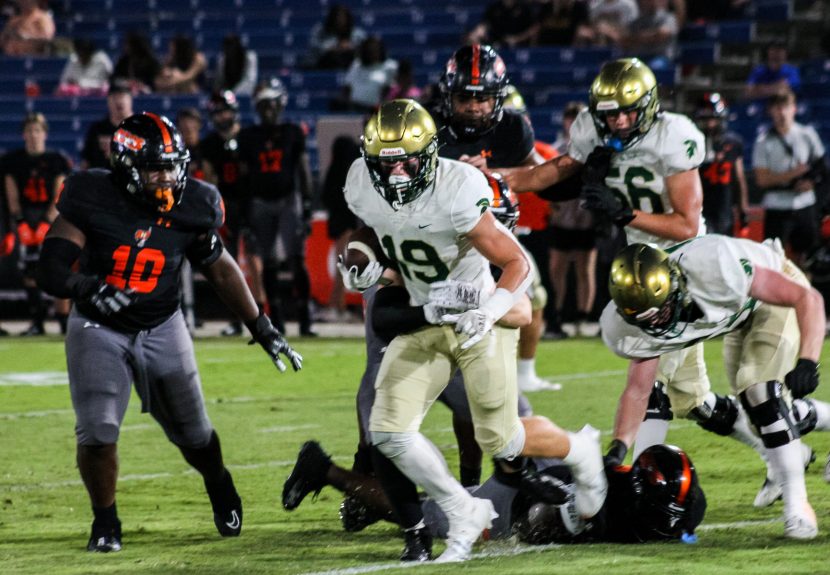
263,417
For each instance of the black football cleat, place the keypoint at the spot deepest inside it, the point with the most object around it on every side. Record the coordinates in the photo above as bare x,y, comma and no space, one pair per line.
356,515
418,545
227,507
105,538
309,474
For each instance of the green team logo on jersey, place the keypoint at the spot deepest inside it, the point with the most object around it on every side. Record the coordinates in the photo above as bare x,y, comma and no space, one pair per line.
747,267
483,203
691,148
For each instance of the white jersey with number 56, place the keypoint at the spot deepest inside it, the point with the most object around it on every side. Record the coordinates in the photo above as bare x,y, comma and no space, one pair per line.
672,145
426,237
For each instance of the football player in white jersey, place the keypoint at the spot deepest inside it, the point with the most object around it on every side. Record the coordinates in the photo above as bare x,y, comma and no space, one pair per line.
637,167
773,321
431,215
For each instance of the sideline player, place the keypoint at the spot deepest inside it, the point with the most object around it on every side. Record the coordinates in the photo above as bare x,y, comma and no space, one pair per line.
134,227
433,221
664,301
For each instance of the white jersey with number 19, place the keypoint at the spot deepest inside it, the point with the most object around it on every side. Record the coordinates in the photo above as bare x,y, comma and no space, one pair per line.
425,237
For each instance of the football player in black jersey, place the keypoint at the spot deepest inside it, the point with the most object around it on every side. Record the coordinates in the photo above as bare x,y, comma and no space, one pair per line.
722,171
33,179
220,151
275,164
132,228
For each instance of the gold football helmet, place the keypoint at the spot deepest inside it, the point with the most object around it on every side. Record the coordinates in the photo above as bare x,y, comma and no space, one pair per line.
624,85
400,148
513,100
648,289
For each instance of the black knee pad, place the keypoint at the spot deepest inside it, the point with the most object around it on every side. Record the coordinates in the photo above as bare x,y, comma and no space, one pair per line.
659,405
804,414
718,418
769,413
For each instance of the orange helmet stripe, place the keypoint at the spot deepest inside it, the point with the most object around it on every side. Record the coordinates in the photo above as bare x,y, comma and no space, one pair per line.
476,72
166,137
685,480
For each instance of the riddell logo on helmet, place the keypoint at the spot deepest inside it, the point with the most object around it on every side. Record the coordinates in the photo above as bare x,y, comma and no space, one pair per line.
128,140
387,152
607,105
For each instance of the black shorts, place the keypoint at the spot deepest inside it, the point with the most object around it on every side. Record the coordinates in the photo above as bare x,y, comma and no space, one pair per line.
796,228
567,240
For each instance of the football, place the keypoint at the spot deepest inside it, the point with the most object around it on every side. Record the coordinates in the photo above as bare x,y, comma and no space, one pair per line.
363,248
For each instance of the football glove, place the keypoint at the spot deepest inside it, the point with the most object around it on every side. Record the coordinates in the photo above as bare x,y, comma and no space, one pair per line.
616,455
265,334
25,234
602,201
434,313
356,281
475,323
803,379
454,295
596,165
109,300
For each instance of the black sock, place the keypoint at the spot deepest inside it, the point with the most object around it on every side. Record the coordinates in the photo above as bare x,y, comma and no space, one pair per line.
511,478
106,515
470,476
363,460
62,318
402,493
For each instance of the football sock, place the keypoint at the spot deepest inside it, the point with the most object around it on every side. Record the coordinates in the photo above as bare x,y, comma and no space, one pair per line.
788,464
401,492
470,475
822,414
105,515
527,368
651,432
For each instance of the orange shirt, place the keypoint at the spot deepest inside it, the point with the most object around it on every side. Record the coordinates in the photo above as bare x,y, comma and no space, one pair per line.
534,212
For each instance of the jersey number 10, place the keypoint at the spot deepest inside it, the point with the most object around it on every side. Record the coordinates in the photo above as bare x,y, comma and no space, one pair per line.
144,257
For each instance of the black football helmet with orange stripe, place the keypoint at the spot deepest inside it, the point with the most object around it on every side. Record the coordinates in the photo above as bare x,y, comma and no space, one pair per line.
475,71
145,143
668,500
504,206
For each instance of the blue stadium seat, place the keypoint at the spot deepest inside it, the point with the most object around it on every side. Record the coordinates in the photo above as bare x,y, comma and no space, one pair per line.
737,32
699,53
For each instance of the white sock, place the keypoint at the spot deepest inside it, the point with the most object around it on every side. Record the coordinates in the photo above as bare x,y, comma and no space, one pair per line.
527,368
822,414
425,466
787,463
651,432
578,454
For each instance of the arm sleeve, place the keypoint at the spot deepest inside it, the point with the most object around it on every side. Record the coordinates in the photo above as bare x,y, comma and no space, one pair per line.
205,250
392,315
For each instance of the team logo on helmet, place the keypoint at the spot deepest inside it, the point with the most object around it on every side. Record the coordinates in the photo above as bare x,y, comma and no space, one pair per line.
128,140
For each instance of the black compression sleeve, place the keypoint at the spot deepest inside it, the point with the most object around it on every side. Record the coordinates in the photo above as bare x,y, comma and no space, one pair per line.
392,315
54,270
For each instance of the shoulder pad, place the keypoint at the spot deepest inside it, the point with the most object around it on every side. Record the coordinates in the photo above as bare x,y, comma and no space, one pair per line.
201,206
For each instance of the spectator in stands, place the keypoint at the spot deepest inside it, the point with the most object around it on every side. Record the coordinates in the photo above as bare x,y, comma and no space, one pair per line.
30,32
725,193
608,20
560,22
33,177
774,75
334,42
573,240
138,63
183,68
368,78
87,72
96,150
652,36
785,161
341,221
236,68
404,86
189,122
505,23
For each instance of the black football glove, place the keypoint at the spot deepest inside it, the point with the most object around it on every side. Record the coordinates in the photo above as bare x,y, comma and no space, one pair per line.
265,334
616,455
803,379
604,204
109,300
596,165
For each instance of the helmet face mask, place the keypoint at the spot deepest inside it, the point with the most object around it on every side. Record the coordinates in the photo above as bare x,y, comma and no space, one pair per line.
649,290
223,108
149,160
477,73
270,101
400,149
624,86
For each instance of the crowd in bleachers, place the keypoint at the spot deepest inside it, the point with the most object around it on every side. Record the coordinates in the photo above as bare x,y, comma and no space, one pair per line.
86,64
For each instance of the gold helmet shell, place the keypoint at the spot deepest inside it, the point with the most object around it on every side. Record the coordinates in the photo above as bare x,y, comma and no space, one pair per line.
513,100
624,85
647,288
401,131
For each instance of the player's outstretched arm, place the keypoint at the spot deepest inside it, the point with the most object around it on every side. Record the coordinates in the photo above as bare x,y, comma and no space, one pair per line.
631,409
539,177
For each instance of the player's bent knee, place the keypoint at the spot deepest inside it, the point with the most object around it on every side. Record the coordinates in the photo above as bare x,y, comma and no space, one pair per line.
392,444
717,414
769,413
804,413
97,434
513,448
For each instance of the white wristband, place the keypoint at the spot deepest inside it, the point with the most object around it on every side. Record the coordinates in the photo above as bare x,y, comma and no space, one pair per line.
499,303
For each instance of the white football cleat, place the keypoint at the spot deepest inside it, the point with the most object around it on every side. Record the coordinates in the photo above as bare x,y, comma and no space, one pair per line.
466,529
771,490
801,525
531,384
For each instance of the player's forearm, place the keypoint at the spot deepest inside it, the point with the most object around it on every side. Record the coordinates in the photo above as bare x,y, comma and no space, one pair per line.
227,279
809,311
634,400
674,226
535,178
